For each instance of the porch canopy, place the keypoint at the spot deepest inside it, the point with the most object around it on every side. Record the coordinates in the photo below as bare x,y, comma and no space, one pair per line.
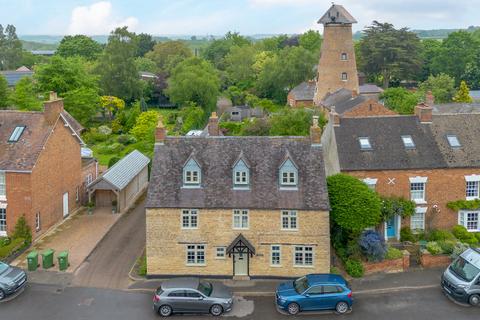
240,245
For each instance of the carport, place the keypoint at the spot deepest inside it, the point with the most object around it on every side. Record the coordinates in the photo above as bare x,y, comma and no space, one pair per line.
123,183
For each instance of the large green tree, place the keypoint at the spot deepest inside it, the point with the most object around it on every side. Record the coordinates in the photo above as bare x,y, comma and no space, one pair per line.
400,100
194,80
4,94
442,87
25,96
79,45
389,53
217,50
168,54
311,40
145,44
239,66
116,66
292,122
10,48
430,49
82,104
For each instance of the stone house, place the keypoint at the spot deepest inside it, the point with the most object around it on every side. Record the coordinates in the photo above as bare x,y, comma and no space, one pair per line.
40,167
430,159
242,207
240,113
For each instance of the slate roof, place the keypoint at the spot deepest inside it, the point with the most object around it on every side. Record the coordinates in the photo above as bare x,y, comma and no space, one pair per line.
304,91
388,151
452,108
216,156
337,14
13,77
369,88
122,172
343,100
466,128
74,124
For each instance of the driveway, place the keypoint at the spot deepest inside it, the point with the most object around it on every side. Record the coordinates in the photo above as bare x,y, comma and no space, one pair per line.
109,264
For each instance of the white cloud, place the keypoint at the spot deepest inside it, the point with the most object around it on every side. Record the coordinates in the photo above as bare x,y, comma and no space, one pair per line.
98,18
268,3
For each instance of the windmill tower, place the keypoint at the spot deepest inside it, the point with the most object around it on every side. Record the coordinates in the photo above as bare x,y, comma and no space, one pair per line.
337,67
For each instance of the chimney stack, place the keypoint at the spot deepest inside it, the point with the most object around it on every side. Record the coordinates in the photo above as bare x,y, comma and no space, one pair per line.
315,132
424,112
334,117
429,99
160,132
213,129
354,93
53,108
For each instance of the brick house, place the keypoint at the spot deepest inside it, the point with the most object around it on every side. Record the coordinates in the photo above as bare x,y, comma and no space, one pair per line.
40,167
237,206
430,159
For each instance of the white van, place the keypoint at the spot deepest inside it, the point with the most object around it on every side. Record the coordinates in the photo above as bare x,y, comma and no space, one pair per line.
461,280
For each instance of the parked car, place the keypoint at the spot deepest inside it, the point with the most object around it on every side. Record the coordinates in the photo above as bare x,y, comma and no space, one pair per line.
315,292
192,295
461,280
12,280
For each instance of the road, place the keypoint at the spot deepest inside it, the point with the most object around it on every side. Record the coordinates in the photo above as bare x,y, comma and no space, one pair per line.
108,265
76,303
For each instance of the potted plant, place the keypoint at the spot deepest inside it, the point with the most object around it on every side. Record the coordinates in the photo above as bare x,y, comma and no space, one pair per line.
114,206
90,206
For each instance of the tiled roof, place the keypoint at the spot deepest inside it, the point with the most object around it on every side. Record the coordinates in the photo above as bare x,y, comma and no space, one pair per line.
74,124
337,14
13,77
122,172
369,88
304,91
216,157
452,108
343,100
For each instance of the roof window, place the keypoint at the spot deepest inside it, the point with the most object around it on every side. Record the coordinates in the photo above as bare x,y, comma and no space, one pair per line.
16,134
453,141
408,142
365,143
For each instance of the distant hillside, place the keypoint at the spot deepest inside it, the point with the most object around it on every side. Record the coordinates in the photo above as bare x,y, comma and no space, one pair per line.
429,34
30,45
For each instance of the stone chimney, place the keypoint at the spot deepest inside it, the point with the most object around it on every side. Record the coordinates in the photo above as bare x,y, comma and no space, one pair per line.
424,112
160,132
213,129
334,117
52,108
315,132
354,93
429,99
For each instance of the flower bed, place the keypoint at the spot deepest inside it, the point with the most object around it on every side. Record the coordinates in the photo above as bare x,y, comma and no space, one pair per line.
427,260
389,265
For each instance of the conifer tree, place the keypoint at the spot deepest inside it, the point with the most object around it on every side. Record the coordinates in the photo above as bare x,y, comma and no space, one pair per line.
463,93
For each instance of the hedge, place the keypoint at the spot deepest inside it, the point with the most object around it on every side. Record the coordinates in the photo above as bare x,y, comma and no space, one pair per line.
15,245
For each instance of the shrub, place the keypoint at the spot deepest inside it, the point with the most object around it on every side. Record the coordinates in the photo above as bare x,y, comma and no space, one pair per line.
354,268
447,246
434,248
406,235
115,147
22,230
112,161
334,270
15,245
93,136
440,235
105,130
5,241
458,249
478,236
461,233
142,266
393,253
373,245
126,139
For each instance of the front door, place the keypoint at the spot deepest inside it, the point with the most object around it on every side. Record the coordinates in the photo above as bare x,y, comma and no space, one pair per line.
392,227
240,264
65,204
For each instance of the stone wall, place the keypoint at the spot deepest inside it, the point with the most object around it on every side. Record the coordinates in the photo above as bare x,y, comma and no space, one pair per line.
166,242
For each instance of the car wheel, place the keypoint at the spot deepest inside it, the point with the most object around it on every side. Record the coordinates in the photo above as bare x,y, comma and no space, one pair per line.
216,310
2,295
165,311
293,308
341,307
474,300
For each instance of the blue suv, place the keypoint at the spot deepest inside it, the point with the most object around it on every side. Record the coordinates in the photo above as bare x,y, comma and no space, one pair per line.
315,292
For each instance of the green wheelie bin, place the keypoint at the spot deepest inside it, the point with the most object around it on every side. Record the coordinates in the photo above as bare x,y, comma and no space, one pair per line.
47,258
63,260
32,261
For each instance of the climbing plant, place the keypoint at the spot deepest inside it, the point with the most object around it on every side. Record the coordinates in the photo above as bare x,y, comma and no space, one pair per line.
464,204
393,206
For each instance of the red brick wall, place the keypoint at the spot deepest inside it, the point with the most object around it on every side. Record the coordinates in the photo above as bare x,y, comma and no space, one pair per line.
388,266
298,103
429,261
91,169
443,186
19,198
367,109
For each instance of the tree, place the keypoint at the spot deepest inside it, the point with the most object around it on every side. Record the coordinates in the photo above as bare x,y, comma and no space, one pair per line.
3,92
239,66
292,122
441,86
145,44
311,40
10,48
116,67
390,53
65,74
24,97
463,94
430,49
145,64
193,117
354,206
400,100
194,80
82,104
218,49
79,45
145,126
111,105
472,74
167,55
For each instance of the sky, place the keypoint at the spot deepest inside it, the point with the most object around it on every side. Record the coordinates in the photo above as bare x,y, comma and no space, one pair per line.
216,17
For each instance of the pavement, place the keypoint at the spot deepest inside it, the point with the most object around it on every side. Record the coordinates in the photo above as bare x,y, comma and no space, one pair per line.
78,234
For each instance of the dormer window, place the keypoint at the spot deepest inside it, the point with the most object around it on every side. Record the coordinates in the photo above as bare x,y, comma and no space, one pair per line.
16,134
344,76
408,142
192,174
344,56
365,143
241,175
288,175
453,141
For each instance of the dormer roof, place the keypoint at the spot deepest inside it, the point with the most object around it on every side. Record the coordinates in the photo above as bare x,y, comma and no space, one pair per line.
337,14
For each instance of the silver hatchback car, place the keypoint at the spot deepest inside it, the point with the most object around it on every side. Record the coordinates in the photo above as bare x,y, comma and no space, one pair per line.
192,295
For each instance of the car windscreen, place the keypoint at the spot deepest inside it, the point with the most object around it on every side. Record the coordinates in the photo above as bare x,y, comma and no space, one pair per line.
301,284
205,288
464,269
3,267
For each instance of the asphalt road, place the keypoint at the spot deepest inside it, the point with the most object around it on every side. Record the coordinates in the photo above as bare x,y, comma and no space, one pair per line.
75,303
108,265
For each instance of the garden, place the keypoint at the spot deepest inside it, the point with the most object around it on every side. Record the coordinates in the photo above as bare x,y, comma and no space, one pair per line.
20,240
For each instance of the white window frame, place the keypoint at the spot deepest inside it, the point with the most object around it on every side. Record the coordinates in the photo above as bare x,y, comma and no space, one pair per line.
288,171
365,143
344,78
453,141
290,215
241,175
222,255
191,216
192,174
3,185
371,183
463,219
195,250
3,221
417,181
16,134
275,249
418,218
344,56
408,142
303,252
38,222
89,179
238,221
472,180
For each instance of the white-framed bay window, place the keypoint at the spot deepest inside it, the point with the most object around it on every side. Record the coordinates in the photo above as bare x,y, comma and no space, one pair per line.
470,219
417,220
417,189
195,254
472,184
